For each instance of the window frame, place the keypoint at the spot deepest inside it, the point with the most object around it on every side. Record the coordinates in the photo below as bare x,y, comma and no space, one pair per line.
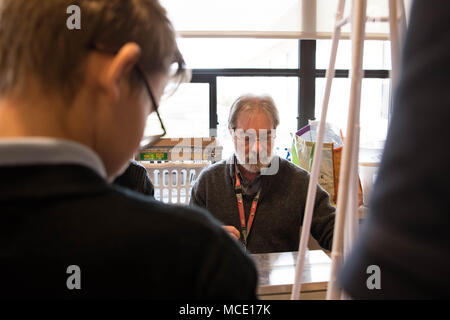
306,72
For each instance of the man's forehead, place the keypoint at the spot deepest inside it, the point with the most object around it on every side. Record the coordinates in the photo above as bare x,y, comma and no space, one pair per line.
254,119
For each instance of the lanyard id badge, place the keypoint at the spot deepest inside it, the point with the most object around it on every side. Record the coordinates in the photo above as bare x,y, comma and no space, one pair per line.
245,226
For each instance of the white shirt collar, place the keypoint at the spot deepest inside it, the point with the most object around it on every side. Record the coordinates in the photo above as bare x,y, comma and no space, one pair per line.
42,150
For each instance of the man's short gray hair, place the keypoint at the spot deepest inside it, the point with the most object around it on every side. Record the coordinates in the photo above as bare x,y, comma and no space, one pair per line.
250,102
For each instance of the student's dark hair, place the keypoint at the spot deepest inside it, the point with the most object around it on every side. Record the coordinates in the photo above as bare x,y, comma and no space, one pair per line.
35,42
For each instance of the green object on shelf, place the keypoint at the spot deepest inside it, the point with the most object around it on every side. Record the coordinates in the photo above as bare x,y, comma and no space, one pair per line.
311,156
294,154
154,156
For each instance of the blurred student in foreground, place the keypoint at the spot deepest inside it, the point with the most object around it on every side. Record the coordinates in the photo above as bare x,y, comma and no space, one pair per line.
407,233
73,106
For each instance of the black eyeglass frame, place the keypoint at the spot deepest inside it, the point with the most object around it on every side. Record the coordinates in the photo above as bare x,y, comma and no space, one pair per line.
148,141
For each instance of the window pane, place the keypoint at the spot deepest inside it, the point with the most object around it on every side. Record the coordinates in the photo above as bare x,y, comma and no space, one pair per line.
338,104
283,90
377,54
186,112
374,108
374,111
221,53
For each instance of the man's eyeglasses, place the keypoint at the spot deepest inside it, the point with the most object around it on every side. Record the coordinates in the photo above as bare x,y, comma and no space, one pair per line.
250,135
148,141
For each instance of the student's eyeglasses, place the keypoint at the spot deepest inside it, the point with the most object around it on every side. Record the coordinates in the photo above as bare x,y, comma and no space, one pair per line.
149,140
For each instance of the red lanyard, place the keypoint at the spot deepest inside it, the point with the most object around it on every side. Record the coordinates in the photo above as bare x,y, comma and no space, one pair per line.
245,227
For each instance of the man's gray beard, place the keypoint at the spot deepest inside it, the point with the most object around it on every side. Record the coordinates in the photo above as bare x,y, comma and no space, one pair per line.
254,168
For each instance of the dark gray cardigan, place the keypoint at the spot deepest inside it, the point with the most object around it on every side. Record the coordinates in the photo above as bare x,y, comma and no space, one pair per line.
280,210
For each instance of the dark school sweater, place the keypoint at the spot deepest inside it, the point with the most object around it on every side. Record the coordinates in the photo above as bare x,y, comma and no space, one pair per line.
126,245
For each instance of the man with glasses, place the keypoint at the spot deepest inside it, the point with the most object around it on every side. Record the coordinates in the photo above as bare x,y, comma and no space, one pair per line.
73,108
259,197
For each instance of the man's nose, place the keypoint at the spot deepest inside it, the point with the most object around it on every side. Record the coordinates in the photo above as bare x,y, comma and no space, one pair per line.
254,145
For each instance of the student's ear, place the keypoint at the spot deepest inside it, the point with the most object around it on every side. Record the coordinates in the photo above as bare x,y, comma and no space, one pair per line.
121,67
